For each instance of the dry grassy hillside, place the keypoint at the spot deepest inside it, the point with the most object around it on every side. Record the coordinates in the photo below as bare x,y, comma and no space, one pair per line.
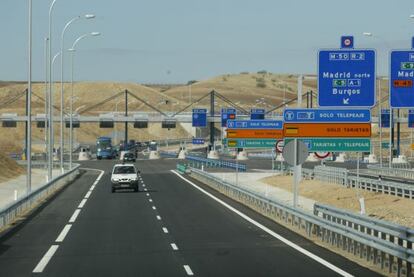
9,168
245,89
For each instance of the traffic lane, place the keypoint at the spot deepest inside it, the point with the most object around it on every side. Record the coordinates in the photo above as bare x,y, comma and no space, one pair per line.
116,234
216,242
23,246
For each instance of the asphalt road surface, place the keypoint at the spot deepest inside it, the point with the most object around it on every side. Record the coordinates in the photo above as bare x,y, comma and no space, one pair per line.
174,228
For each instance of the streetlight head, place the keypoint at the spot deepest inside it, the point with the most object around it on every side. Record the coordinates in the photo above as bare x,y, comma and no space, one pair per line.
89,16
367,34
71,50
95,34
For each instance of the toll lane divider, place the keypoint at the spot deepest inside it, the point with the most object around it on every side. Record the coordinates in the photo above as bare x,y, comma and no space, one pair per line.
11,212
199,161
358,242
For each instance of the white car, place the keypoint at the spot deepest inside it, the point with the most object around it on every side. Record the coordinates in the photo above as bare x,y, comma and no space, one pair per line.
124,176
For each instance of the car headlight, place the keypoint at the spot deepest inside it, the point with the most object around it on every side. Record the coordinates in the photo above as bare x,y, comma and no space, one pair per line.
115,180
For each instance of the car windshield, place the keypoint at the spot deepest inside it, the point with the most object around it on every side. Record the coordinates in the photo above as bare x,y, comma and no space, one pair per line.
124,170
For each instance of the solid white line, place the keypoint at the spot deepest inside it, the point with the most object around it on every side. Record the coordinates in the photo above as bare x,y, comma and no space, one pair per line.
188,270
74,216
174,246
82,203
88,194
158,217
64,232
270,232
46,258
150,200
92,187
165,230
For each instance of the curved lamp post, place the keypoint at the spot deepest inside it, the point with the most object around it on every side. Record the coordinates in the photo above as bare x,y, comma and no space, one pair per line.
73,50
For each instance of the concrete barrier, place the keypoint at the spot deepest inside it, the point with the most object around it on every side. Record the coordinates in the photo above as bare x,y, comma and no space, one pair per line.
242,156
213,154
154,155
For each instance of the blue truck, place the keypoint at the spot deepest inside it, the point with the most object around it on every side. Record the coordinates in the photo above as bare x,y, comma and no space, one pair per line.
104,148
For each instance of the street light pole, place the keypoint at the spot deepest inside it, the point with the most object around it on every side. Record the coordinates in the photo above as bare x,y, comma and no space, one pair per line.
62,43
46,105
50,103
29,107
72,50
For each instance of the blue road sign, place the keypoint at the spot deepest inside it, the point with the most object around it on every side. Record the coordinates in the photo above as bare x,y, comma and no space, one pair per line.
385,118
257,114
347,42
199,118
227,114
255,124
326,116
198,141
410,118
402,79
346,78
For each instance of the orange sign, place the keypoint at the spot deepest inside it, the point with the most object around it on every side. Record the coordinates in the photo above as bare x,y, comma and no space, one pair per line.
247,133
343,130
403,83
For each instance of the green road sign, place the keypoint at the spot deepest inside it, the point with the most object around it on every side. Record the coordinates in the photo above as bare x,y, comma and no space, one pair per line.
385,145
337,144
250,143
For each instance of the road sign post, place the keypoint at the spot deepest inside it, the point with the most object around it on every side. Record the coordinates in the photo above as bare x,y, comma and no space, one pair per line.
346,78
295,154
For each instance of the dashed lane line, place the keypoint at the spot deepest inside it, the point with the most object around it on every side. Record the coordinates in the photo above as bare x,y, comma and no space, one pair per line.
45,259
174,246
64,232
188,270
74,216
82,203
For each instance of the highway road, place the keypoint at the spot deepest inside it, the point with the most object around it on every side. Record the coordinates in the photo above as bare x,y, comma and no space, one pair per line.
177,227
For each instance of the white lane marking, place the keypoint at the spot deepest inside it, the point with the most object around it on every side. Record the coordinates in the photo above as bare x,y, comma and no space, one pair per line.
148,194
174,246
45,259
188,270
145,189
150,200
82,203
88,194
154,208
158,217
270,232
165,230
64,232
92,188
74,216
143,185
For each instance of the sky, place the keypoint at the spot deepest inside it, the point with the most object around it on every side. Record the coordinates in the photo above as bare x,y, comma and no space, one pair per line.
165,41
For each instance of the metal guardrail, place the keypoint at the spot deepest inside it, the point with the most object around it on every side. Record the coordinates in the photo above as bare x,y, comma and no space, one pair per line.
381,253
24,204
168,154
342,177
395,172
199,161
